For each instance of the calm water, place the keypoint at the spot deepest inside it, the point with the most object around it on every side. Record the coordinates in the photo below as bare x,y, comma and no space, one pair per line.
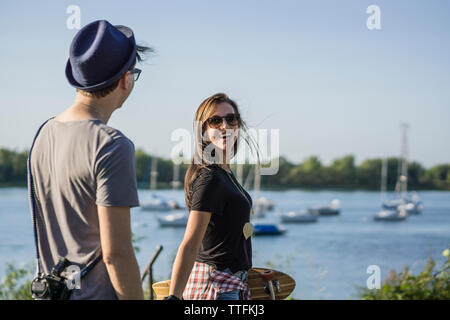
327,259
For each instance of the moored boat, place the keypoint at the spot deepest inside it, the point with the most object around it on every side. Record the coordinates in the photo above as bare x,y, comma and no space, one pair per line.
267,228
302,216
178,219
390,215
156,204
326,210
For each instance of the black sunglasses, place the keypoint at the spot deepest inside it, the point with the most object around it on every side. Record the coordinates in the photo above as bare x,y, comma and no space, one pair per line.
135,72
231,119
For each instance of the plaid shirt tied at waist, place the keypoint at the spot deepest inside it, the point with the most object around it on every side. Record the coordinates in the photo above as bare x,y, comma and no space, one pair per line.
206,283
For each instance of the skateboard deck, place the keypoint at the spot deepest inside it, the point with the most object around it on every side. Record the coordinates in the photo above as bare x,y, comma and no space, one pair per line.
260,281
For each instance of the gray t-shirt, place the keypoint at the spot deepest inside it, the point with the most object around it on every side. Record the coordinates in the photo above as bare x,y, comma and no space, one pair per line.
76,166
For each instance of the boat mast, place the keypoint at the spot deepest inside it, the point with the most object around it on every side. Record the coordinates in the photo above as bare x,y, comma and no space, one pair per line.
257,180
176,176
176,172
248,180
383,179
153,173
256,188
240,172
404,176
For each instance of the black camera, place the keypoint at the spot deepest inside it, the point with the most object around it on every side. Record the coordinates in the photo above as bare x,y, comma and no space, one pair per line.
52,286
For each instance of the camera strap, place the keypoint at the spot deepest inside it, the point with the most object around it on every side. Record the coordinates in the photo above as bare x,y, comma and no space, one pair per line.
34,205
33,201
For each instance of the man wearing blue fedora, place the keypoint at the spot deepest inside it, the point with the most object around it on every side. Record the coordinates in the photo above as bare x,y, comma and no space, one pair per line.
82,178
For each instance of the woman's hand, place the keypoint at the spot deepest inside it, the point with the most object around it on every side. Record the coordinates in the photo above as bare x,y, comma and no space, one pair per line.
187,252
172,297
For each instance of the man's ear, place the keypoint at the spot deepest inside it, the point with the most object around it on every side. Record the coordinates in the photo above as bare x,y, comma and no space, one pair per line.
124,84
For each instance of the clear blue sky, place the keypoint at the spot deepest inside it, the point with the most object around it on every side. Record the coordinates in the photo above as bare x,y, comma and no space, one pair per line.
310,68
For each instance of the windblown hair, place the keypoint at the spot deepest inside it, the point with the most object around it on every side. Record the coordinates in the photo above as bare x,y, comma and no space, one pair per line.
200,158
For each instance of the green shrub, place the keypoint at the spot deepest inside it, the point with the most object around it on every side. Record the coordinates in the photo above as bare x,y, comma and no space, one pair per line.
16,285
430,284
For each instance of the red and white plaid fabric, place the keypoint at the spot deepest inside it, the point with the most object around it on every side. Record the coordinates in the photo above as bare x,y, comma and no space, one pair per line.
206,283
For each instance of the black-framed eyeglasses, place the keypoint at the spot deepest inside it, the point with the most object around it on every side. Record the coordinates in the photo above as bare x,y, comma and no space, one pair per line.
136,73
231,119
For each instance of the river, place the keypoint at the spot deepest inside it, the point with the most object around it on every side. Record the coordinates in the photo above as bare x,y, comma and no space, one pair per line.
328,259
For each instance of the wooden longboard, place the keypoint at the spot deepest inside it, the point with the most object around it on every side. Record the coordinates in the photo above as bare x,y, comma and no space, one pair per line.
258,283
282,283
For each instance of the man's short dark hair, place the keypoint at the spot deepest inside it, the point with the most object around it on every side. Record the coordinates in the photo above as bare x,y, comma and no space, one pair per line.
141,52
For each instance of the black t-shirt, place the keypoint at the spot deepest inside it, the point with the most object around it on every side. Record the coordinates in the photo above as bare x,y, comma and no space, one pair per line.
224,244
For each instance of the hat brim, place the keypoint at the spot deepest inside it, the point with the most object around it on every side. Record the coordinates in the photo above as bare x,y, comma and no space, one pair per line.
98,86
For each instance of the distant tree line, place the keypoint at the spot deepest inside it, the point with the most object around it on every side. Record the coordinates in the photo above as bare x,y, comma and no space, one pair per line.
13,167
311,173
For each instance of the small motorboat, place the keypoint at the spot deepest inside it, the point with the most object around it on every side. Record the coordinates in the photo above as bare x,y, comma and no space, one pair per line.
302,216
412,205
156,203
175,205
267,229
393,204
329,210
390,215
178,219
261,205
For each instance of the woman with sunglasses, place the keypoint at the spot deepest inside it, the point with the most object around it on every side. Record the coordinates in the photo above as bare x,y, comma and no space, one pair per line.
216,253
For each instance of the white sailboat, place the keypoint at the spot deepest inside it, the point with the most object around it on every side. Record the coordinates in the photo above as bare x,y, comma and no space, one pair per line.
386,214
326,210
411,204
178,219
302,216
176,183
390,215
261,227
155,203
260,204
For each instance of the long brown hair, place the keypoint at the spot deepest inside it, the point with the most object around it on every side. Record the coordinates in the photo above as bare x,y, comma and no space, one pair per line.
204,112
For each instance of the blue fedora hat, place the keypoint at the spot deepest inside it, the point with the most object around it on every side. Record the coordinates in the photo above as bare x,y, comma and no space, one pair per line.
99,55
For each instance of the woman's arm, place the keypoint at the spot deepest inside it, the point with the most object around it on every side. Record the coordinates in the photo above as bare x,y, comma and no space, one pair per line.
188,250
